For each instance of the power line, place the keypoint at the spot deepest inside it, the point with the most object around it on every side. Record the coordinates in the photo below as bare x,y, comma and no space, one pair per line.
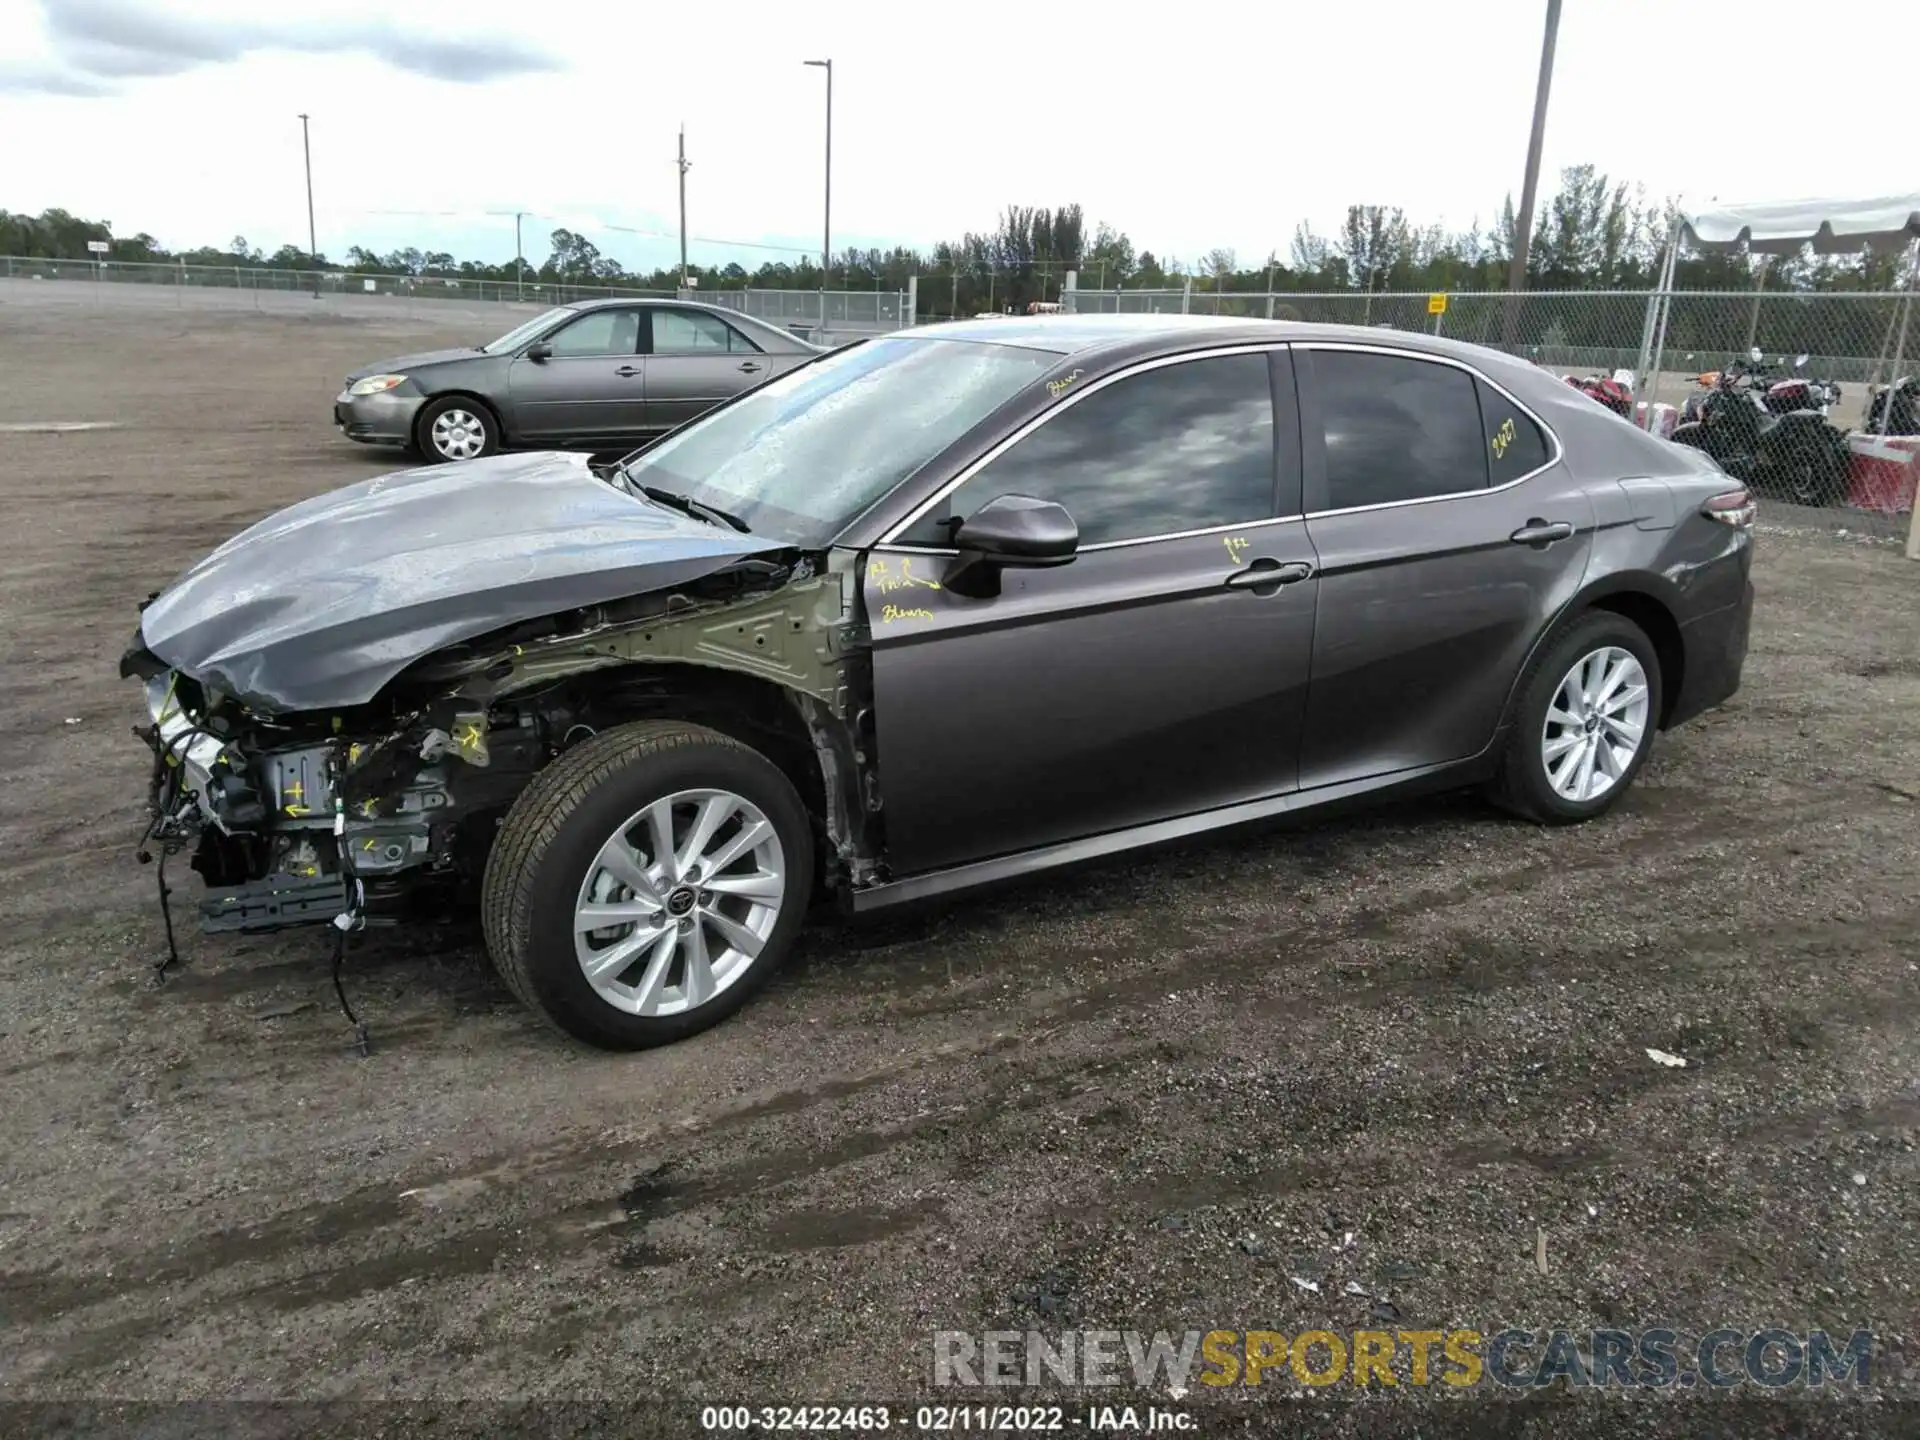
587,223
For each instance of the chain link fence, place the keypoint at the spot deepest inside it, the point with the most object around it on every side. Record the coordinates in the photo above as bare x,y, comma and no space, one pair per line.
180,282
857,311
1835,370
808,312
1801,420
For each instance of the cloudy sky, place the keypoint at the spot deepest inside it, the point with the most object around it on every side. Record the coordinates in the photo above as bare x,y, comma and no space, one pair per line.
1189,128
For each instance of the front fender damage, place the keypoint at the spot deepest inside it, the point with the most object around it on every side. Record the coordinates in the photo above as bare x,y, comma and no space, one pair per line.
370,803
803,636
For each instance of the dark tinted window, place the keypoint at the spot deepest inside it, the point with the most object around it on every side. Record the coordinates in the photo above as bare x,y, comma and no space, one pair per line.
600,332
1397,429
1515,445
1183,447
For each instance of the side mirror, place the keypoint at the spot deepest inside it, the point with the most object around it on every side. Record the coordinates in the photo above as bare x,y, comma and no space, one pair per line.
539,350
1011,530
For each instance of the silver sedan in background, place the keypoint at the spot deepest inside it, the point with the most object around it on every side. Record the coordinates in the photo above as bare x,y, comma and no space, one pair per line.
601,374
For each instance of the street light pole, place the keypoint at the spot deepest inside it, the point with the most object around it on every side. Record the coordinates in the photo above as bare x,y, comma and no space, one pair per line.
519,259
826,224
684,167
313,244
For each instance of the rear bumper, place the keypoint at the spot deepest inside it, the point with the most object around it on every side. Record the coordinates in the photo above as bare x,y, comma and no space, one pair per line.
1715,647
384,419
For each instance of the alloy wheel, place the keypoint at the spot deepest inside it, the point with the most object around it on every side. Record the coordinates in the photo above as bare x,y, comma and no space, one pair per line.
1596,724
679,902
459,434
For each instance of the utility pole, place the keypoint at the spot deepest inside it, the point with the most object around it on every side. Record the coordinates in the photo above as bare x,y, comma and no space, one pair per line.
313,244
519,259
826,223
1759,284
1523,225
684,167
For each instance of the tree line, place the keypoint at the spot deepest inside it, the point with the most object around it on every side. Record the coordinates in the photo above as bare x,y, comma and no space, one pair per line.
1592,233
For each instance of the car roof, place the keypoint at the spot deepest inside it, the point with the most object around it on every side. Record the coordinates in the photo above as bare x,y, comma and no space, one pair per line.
608,302
1135,337
754,323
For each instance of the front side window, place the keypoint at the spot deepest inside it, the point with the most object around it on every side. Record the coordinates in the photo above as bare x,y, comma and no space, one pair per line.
1177,448
694,332
1397,428
803,455
525,331
599,332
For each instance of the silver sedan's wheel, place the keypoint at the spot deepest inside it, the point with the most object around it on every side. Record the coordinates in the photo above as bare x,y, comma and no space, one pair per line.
457,434
1596,724
679,902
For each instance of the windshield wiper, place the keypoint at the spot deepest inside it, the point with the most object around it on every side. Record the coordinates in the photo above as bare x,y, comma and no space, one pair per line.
686,504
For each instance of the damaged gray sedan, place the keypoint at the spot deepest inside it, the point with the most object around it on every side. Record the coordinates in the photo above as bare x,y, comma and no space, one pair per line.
936,610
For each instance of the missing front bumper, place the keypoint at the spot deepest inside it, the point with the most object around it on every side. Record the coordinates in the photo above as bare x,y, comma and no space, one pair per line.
271,904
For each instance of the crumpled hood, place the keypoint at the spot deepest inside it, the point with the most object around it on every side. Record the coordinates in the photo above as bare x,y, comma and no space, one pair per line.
321,605
401,364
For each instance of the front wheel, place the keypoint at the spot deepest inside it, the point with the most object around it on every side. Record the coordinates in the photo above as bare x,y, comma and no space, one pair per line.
1812,473
456,428
1588,709
647,882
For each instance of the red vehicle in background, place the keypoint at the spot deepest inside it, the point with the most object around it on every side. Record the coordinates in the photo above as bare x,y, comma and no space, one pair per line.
1610,390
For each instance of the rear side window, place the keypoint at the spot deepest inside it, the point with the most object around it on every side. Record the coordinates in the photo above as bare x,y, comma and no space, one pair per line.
1515,445
694,332
1397,428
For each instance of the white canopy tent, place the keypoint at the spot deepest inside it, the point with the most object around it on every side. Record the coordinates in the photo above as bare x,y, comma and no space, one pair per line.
1784,227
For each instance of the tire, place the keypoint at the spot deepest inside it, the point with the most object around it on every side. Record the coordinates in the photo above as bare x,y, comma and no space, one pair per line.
1803,475
455,428
1524,784
551,857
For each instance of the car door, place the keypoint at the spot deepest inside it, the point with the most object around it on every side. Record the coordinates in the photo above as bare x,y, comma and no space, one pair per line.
1160,672
590,386
1449,535
695,361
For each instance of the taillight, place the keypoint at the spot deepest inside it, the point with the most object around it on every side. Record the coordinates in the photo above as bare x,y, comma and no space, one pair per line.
1731,507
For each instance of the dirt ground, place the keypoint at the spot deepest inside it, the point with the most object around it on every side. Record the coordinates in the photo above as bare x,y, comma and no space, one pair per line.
1157,1095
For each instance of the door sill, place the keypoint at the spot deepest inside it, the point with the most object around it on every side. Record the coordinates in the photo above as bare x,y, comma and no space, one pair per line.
1069,852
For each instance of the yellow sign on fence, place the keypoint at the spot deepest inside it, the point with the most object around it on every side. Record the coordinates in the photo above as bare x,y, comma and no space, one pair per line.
1436,304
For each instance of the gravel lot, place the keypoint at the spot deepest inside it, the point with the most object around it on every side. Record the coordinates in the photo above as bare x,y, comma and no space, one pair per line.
1147,1096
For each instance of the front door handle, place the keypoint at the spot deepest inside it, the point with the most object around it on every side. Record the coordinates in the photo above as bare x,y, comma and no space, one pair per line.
1264,576
627,372
1542,532
750,367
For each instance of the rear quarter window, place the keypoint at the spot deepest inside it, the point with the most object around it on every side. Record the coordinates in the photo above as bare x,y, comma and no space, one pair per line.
1516,446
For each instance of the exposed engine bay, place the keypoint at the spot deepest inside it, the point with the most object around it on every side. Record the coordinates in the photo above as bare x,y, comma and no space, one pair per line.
368,811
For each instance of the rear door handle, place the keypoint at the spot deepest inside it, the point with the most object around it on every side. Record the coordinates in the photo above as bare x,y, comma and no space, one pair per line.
750,367
1264,576
1542,532
627,372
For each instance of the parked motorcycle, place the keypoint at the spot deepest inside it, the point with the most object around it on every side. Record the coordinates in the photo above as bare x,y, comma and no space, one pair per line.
1609,390
1796,391
1772,434
1779,395
1905,399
